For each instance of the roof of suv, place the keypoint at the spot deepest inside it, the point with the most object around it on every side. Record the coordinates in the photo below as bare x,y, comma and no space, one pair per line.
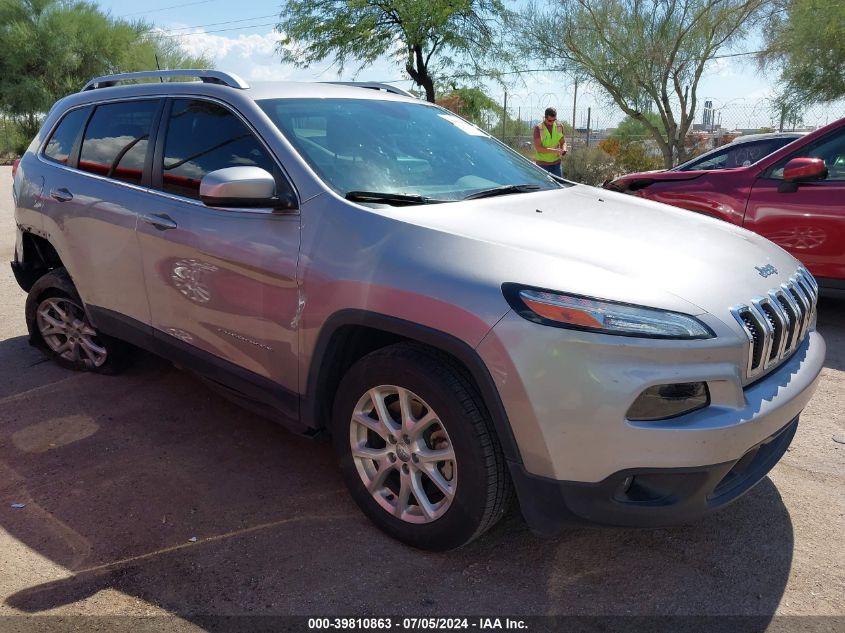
301,89
263,90
231,88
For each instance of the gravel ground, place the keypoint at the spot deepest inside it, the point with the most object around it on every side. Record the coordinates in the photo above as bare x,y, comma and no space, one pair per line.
118,474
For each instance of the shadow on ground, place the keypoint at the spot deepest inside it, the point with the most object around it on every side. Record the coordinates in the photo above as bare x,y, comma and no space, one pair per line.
118,473
831,325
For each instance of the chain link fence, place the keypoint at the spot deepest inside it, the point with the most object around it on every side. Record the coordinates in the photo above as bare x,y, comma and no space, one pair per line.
715,123
598,151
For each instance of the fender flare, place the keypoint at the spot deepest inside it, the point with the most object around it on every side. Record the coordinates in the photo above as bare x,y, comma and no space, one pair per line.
312,409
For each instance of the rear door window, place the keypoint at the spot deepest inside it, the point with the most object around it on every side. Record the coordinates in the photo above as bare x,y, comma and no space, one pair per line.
117,138
64,137
202,137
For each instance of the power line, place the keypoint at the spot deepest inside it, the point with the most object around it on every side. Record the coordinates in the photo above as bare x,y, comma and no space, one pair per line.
545,70
236,28
175,6
737,54
199,26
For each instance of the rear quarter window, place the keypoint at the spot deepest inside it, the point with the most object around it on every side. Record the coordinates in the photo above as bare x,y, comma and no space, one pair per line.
66,134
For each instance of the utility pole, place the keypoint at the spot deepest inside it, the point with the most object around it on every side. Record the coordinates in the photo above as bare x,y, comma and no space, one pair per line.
574,101
504,116
588,126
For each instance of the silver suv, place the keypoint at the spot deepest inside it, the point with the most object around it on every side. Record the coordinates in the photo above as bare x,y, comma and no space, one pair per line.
464,325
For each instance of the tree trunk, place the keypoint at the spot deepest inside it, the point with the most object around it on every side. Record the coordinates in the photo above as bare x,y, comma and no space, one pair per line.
668,151
428,84
418,71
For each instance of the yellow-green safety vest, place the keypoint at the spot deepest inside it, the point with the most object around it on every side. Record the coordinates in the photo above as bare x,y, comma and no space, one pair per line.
549,139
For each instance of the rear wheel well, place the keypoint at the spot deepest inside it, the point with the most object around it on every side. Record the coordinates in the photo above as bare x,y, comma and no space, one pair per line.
40,252
37,259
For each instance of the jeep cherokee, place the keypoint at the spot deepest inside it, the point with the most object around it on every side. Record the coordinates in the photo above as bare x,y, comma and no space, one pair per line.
464,325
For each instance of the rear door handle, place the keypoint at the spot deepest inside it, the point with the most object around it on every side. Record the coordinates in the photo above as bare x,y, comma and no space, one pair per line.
161,221
62,195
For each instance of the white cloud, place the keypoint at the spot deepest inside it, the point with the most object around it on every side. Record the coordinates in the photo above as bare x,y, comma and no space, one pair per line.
219,46
764,93
250,55
722,67
254,58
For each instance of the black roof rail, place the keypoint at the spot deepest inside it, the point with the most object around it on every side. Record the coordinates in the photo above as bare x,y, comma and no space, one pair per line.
206,76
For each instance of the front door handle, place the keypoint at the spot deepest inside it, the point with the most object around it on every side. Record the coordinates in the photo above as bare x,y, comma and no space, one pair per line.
62,195
161,221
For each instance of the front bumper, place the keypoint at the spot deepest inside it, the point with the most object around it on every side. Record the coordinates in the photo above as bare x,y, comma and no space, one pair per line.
646,497
566,395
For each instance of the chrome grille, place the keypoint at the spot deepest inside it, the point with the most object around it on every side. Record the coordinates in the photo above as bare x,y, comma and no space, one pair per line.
777,323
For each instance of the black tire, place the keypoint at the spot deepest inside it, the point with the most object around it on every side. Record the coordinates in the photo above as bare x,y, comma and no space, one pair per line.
57,284
483,488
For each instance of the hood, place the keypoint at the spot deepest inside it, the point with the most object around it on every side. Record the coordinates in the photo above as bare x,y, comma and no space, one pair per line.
613,246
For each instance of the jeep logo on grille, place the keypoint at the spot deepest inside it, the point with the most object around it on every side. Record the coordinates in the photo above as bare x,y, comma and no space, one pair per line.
766,271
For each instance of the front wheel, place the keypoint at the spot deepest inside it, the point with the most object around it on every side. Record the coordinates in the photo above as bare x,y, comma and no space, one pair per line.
417,448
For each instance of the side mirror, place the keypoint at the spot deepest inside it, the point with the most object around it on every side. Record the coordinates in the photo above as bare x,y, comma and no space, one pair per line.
804,170
242,187
800,170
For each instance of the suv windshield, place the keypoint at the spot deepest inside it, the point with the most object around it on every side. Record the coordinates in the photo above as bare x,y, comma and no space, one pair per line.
421,152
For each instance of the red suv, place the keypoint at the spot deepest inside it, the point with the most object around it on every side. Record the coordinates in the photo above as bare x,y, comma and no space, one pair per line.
794,197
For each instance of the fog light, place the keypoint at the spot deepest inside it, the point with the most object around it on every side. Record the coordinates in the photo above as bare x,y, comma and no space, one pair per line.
668,401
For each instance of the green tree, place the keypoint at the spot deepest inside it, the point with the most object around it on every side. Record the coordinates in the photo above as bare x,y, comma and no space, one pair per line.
806,40
634,153
517,130
154,49
631,129
473,104
52,47
428,37
645,54
628,144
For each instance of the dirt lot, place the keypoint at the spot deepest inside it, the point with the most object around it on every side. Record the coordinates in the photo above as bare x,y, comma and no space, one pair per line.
117,474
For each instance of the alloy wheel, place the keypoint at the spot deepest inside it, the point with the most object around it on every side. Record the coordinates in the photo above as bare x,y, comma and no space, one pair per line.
66,331
403,454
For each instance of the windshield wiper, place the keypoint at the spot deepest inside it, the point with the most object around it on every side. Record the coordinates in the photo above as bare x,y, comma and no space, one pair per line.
499,191
396,199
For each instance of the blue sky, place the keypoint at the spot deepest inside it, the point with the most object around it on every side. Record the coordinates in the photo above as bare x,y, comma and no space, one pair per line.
239,37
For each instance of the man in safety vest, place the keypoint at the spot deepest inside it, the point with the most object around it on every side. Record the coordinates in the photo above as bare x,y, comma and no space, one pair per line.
549,143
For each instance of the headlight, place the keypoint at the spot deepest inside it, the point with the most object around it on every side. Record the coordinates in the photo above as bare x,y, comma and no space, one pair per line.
608,317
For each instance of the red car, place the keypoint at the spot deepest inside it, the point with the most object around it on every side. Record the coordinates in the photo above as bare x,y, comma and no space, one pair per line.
794,197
